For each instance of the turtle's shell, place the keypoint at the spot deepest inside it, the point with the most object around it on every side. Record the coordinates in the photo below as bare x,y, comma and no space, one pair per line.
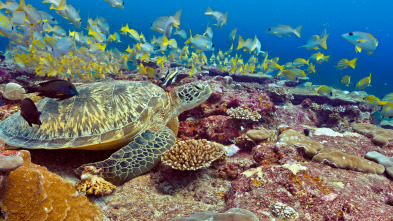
105,115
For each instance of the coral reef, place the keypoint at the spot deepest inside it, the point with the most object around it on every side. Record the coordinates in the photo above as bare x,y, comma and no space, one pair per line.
259,135
31,192
283,211
192,154
338,159
92,183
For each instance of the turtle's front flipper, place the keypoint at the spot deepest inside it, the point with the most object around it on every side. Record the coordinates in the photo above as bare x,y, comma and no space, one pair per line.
138,157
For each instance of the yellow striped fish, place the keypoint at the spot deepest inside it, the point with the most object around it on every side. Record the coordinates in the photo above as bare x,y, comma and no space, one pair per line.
324,90
293,74
6,27
363,83
388,97
298,62
344,63
387,110
371,100
346,80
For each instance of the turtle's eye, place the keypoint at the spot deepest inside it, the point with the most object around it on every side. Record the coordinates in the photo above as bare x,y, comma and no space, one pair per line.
199,87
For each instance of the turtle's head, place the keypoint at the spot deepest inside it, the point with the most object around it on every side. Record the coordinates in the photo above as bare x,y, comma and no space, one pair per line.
191,95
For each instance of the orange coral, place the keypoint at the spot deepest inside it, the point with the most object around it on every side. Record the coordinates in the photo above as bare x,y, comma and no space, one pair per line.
31,193
92,183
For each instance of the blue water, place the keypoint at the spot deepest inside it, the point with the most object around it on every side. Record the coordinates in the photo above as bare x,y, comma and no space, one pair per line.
255,17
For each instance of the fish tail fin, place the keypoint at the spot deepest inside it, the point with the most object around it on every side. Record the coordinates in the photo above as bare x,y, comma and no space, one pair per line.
241,43
62,5
176,23
323,41
208,11
189,40
22,6
298,31
103,47
352,63
225,17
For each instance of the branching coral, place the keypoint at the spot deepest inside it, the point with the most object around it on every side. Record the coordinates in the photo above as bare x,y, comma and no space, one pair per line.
92,183
243,113
192,154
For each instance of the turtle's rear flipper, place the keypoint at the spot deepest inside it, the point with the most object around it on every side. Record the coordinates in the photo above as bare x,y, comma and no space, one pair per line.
137,158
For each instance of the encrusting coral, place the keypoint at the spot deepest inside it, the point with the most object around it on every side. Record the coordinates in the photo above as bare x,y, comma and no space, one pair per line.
292,137
380,135
347,161
93,184
192,154
386,161
237,214
32,193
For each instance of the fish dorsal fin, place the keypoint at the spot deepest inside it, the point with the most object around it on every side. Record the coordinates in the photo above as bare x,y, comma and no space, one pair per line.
42,84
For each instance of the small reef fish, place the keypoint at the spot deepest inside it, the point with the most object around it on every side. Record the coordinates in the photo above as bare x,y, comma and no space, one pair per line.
200,42
363,83
249,44
324,90
62,47
388,97
362,40
281,30
220,18
319,57
344,63
310,68
116,3
346,80
314,41
371,100
293,74
298,62
170,78
164,24
387,110
29,112
209,32
60,89
232,35
181,33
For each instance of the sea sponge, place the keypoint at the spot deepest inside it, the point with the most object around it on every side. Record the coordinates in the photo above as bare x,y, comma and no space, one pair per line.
32,193
192,154
14,91
292,137
92,182
338,159
243,113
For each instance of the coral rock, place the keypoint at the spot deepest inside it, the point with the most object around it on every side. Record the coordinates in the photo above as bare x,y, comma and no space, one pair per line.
283,211
14,91
258,135
292,137
347,161
234,214
32,193
387,162
192,154
9,163
380,135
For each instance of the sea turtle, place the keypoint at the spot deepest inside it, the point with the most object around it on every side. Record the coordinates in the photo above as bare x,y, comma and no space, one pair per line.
132,115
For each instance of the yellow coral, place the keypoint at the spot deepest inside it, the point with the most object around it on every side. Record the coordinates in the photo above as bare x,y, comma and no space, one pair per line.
93,184
192,154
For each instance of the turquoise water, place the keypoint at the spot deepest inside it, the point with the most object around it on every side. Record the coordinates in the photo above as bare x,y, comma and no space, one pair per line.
254,18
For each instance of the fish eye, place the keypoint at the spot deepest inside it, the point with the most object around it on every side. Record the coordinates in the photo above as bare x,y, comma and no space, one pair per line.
213,46
270,29
350,34
123,3
53,19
